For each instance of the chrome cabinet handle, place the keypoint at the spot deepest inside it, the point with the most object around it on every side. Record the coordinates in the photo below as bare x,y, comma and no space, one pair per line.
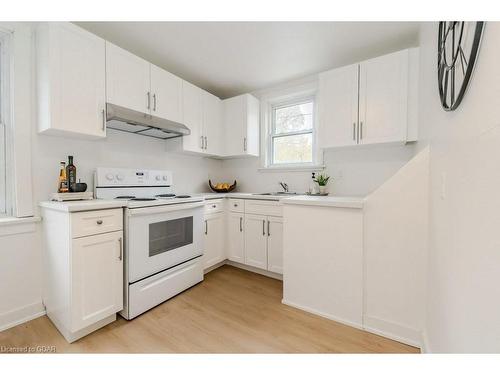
154,102
149,100
353,131
99,222
206,227
263,227
103,120
268,230
214,206
361,130
241,224
244,143
206,143
120,257
235,205
202,142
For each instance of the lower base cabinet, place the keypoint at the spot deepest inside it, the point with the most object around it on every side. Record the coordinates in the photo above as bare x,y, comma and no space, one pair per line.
275,244
214,243
236,237
83,268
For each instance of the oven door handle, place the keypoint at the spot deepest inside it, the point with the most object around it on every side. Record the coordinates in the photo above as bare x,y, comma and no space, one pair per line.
165,208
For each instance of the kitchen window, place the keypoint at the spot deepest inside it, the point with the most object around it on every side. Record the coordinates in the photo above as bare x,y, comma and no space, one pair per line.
291,136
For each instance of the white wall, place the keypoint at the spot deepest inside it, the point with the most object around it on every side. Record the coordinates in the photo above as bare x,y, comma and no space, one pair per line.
464,279
119,149
395,253
356,171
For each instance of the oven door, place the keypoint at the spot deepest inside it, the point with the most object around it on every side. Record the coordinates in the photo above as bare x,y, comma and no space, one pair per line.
161,237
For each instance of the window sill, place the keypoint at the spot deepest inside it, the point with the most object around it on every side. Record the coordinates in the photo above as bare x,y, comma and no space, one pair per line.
10,225
291,168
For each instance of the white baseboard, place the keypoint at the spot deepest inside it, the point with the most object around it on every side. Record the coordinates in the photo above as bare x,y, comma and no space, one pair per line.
394,331
15,317
324,315
270,274
215,266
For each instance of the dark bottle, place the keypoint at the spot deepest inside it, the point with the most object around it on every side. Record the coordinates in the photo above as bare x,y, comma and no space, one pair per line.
71,174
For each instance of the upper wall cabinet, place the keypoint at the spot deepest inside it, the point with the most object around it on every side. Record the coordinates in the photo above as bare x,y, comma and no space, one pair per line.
128,81
212,124
371,102
241,125
134,83
71,81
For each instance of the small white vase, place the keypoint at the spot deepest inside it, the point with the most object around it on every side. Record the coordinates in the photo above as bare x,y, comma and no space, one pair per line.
322,190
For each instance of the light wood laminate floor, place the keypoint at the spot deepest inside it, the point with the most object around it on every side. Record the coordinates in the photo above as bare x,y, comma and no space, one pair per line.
232,311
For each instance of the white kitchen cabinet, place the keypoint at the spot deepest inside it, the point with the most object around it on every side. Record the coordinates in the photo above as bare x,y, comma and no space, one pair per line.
256,241
71,81
128,82
192,97
372,102
236,236
214,240
97,278
275,244
83,270
166,91
212,124
338,107
241,125
383,98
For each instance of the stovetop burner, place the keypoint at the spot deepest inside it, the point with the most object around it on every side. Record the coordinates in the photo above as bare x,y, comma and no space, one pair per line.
183,196
125,197
142,199
165,195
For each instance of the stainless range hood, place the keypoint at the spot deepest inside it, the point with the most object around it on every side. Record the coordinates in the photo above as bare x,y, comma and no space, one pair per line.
130,121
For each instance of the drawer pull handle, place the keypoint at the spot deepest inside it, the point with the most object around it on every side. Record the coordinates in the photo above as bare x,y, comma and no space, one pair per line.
214,206
236,205
99,222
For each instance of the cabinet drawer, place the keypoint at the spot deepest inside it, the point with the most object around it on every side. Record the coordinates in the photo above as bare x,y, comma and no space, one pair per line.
268,208
89,223
236,205
214,205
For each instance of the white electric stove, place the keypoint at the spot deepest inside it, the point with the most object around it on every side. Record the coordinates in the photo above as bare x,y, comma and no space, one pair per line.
163,235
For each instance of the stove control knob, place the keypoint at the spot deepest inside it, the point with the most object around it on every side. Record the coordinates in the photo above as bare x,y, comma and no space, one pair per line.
158,178
110,177
119,177
165,178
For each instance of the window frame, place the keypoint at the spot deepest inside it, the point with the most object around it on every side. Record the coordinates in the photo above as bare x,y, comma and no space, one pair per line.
273,135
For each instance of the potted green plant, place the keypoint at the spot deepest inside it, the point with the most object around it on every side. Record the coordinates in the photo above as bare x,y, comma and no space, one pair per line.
322,181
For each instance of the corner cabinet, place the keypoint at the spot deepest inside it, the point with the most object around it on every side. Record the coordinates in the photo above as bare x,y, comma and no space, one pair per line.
70,81
372,102
241,125
83,268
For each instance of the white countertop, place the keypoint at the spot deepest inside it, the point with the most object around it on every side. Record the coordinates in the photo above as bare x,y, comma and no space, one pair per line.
84,205
326,201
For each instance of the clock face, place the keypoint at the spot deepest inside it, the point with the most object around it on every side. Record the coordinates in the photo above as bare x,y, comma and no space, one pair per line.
458,47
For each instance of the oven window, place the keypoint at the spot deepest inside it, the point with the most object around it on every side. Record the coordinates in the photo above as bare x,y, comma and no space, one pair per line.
169,235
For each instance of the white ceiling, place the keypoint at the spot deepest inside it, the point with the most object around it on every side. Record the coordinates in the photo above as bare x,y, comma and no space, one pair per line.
230,58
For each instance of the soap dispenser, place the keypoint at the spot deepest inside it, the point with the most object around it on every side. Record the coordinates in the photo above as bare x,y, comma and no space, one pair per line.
312,185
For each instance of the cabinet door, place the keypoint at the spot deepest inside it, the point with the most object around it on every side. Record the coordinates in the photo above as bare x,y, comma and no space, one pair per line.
127,79
338,107
275,244
235,127
193,117
383,97
256,241
166,91
96,278
212,124
236,237
214,240
77,80
251,142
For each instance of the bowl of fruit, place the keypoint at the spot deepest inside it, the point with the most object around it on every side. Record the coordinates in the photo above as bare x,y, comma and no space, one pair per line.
222,187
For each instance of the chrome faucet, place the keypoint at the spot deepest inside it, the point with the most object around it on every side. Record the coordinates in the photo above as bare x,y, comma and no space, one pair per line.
284,186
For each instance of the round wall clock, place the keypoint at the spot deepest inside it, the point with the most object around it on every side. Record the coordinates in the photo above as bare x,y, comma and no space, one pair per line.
458,47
